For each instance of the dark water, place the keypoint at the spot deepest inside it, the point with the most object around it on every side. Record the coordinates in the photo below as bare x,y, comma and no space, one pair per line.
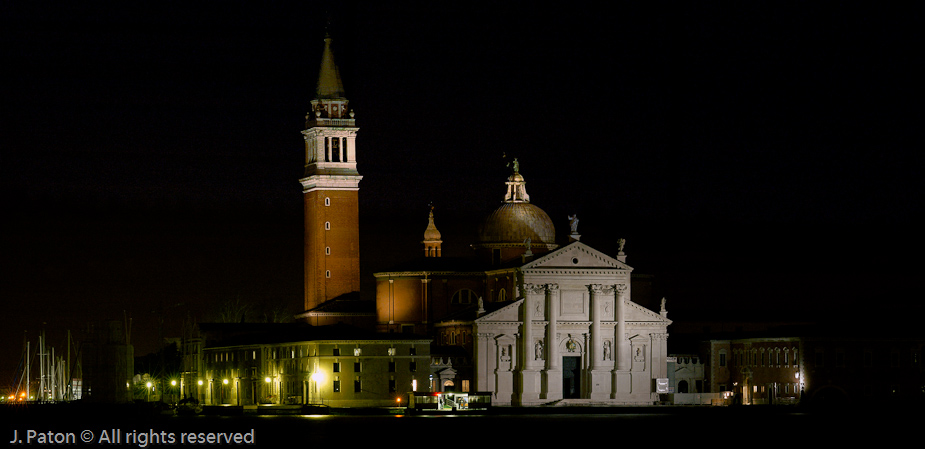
663,426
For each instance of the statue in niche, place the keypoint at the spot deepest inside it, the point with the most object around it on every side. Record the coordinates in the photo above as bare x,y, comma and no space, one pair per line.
573,223
570,345
538,349
607,355
504,354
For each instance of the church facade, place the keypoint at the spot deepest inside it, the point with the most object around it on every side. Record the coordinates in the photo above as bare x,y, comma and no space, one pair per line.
572,334
527,320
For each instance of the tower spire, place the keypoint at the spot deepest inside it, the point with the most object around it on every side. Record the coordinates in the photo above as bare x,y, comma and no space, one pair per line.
330,85
432,240
330,190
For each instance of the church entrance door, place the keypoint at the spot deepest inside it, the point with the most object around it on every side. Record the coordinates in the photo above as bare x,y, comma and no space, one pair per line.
571,377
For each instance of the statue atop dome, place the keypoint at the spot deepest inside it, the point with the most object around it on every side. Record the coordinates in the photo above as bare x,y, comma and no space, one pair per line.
516,187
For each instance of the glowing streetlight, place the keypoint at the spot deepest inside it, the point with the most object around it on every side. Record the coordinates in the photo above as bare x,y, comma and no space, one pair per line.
318,378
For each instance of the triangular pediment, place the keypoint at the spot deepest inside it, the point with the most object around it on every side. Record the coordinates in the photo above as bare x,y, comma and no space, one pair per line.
639,314
510,312
577,255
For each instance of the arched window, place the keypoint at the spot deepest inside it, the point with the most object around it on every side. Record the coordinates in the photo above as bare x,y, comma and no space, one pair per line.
502,295
682,386
464,296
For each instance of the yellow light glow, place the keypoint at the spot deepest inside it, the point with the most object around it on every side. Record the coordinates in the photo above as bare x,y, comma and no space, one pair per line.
148,384
318,376
266,379
225,381
173,383
199,382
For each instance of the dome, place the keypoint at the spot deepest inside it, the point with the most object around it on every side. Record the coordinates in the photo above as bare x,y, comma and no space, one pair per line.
431,233
512,223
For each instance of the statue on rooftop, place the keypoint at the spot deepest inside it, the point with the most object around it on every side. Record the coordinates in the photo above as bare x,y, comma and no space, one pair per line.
573,223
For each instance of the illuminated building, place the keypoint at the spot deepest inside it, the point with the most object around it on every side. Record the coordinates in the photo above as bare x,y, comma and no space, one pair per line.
537,323
248,364
817,365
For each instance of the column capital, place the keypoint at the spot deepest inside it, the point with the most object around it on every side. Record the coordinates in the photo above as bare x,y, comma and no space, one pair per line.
552,288
533,288
620,288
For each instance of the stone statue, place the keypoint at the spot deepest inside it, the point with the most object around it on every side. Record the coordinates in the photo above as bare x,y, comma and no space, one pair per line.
539,350
607,350
573,223
620,244
516,165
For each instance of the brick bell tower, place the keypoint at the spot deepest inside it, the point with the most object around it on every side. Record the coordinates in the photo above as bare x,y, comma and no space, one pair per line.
330,191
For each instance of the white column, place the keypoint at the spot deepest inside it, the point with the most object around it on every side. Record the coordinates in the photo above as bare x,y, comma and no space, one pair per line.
621,345
552,316
552,376
595,351
529,381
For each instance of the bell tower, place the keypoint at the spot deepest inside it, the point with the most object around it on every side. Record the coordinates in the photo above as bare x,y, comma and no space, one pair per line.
330,189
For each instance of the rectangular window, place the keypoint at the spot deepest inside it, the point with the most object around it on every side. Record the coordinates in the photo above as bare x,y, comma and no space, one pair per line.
336,351
392,387
722,360
336,367
336,386
465,385
356,386
413,366
356,367
413,351
391,366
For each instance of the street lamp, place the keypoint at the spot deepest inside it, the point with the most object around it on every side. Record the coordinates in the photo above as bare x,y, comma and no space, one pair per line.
318,377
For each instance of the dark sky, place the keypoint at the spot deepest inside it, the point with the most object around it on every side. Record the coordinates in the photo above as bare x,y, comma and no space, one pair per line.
757,159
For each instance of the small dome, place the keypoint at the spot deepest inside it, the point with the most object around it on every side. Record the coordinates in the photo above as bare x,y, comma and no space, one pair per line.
431,233
512,223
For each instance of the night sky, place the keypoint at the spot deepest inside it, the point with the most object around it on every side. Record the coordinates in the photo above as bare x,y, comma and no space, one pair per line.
757,160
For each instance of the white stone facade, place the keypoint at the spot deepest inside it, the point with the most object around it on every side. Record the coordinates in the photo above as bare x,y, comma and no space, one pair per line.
574,334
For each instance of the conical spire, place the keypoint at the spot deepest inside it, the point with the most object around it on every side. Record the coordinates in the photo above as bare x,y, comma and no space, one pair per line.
329,84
